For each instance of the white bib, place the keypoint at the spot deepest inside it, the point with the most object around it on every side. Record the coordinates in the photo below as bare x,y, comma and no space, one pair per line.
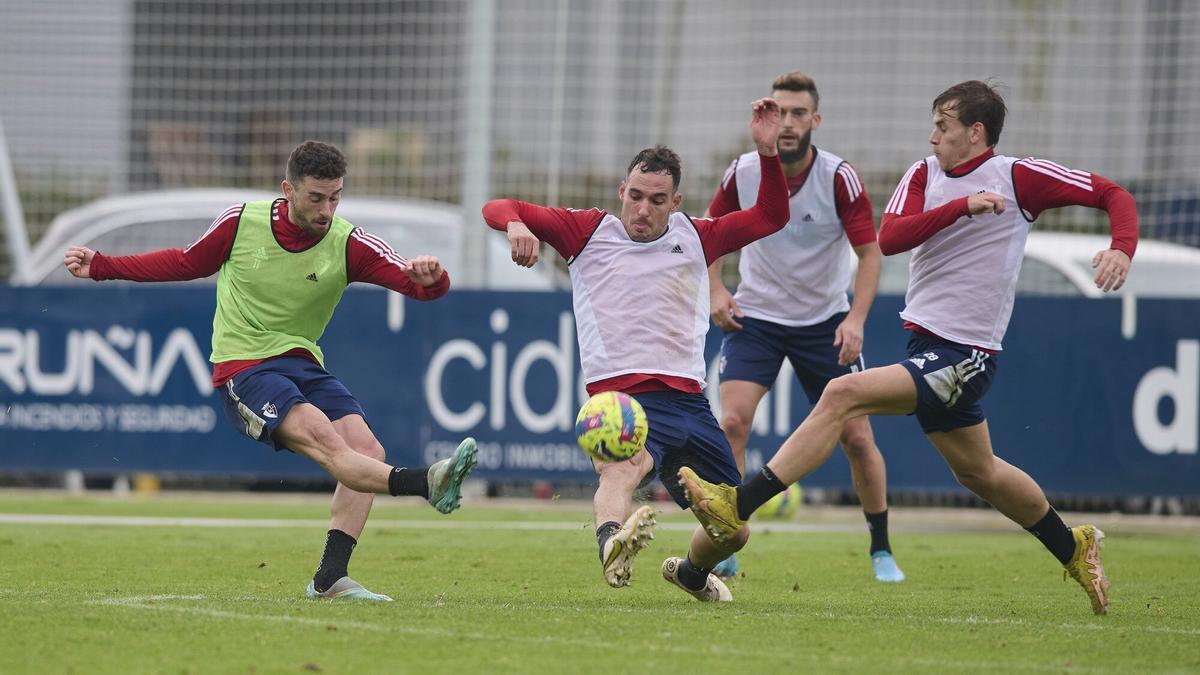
641,308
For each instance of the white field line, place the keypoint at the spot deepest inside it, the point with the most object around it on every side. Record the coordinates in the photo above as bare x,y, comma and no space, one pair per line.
159,603
171,521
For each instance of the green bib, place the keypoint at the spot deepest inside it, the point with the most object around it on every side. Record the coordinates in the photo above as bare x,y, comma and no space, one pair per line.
271,300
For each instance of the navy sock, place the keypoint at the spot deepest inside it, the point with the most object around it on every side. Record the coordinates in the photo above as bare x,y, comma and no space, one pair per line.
1055,536
756,491
877,524
335,560
405,482
692,577
604,533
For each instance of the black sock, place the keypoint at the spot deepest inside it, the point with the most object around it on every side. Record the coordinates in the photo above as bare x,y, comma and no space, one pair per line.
1054,535
335,560
604,533
402,481
756,491
692,577
877,524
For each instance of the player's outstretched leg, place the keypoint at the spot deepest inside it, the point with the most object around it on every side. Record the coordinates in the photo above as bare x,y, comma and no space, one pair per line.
715,506
345,589
1085,566
714,589
446,477
619,550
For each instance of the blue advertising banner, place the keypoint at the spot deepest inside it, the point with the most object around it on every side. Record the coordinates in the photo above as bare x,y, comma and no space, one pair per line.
1092,397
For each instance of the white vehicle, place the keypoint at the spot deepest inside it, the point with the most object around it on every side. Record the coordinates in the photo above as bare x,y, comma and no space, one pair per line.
139,222
1060,263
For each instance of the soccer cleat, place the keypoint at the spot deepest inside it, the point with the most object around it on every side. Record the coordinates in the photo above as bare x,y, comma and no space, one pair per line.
885,567
446,477
727,568
715,506
1086,568
714,589
622,547
345,589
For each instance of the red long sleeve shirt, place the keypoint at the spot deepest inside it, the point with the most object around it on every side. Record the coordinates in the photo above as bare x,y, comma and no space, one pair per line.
369,259
568,230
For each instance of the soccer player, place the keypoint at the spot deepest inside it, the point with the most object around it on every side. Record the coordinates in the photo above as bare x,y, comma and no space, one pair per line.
792,303
965,211
641,309
282,266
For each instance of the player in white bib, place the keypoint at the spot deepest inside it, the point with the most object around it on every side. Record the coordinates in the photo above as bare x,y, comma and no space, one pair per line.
791,302
640,292
965,212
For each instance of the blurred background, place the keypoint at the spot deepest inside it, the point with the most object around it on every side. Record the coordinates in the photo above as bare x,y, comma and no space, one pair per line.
128,125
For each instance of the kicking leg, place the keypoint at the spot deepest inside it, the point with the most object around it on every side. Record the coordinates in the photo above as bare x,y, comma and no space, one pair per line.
619,534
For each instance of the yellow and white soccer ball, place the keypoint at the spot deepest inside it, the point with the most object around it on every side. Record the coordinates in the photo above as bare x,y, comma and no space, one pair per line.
611,427
782,506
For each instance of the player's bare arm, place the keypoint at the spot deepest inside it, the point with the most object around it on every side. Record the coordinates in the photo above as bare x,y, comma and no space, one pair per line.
525,244
1112,268
849,333
79,261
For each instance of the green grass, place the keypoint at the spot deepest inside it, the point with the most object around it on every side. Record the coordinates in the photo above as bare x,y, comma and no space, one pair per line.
486,598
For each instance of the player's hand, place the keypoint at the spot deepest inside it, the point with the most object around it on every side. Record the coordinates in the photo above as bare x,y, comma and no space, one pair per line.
424,270
849,335
79,261
1112,267
765,123
724,310
985,202
525,246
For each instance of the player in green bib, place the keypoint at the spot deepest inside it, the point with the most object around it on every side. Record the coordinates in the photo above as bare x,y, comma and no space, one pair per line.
282,267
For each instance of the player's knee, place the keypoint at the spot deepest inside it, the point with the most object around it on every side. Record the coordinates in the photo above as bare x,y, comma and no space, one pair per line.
975,479
840,395
859,443
373,449
735,425
620,473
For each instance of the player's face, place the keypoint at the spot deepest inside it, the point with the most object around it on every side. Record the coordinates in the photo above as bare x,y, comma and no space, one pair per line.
953,142
647,200
798,117
311,203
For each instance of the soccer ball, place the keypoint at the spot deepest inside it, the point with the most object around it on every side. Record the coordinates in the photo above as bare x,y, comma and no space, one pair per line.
611,427
783,505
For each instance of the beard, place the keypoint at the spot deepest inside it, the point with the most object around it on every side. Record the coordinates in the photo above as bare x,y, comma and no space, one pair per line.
801,151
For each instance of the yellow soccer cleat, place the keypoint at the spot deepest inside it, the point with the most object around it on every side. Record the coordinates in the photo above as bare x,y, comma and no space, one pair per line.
1086,568
715,506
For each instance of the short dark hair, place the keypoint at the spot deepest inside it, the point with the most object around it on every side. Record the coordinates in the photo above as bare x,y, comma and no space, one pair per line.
657,159
975,101
314,159
797,81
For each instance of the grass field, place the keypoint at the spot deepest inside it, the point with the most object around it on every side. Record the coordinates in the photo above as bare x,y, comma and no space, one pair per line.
517,588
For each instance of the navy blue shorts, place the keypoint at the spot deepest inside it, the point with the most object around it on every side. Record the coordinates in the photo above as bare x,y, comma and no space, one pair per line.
951,379
683,432
756,352
257,399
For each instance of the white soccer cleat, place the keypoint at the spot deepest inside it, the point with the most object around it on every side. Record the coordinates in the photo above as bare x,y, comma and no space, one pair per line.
714,589
345,589
622,547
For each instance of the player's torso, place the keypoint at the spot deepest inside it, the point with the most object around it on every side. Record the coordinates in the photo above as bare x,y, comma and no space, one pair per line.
641,307
264,289
962,279
799,275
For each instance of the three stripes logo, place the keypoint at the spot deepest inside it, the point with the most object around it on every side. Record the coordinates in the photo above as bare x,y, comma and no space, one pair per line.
312,276
677,249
